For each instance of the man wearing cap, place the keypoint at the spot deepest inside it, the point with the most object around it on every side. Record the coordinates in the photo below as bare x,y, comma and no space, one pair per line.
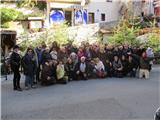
15,65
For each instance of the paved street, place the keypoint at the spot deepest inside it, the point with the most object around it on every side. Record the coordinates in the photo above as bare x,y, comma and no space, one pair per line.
108,99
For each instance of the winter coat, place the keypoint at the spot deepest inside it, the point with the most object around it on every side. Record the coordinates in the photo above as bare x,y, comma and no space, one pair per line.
77,68
15,61
45,56
144,63
29,65
132,65
60,72
48,71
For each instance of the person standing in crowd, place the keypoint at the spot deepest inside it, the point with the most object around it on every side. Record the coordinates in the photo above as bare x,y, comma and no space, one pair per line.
91,67
15,61
82,69
88,53
74,58
108,68
29,66
45,55
94,51
102,54
132,66
62,54
109,52
117,67
80,53
70,69
53,53
124,62
38,51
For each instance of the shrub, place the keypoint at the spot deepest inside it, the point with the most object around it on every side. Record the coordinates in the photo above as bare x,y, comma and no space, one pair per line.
153,42
124,33
58,34
7,15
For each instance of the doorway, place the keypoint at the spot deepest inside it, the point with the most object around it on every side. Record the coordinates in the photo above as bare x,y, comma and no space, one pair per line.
91,18
68,17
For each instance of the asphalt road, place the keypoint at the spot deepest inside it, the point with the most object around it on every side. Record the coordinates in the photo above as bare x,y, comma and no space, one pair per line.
107,99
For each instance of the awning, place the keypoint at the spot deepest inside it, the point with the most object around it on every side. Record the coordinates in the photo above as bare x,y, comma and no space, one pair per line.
66,1
65,5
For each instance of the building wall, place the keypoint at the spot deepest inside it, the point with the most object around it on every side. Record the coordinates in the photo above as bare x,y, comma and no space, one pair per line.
110,9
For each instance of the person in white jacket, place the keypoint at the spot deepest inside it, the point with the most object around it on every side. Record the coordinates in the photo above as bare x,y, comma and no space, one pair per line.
99,68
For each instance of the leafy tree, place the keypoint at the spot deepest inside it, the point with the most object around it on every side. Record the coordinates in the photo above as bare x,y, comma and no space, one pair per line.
61,33
7,15
26,3
123,33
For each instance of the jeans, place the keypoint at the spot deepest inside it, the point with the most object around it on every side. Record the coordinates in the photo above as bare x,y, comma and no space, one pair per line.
29,80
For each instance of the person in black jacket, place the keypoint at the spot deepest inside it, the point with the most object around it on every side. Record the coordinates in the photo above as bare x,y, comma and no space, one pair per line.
124,62
132,66
15,65
143,64
117,67
45,56
82,69
48,75
29,65
70,69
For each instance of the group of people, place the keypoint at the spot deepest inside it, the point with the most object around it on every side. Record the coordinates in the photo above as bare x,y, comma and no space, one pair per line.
61,64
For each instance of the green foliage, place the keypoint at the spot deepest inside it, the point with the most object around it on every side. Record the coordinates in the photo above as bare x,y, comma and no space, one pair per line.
124,34
5,25
153,42
25,41
21,16
41,5
158,61
36,14
61,33
7,15
26,3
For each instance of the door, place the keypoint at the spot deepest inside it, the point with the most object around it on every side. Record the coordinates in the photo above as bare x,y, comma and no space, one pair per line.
68,17
91,17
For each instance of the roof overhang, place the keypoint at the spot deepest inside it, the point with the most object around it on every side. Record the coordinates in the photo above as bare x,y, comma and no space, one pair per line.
66,1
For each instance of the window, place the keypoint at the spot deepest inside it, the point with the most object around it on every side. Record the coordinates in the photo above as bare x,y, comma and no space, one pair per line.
91,17
103,17
108,0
